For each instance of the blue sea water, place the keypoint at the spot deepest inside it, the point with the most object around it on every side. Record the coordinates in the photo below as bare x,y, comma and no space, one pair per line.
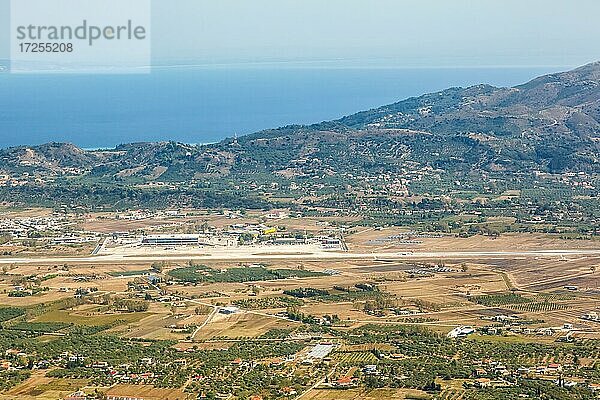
203,105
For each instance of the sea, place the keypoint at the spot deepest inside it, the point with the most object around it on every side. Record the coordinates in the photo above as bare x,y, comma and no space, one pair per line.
206,104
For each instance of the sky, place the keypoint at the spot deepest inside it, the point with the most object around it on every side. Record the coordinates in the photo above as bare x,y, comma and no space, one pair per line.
399,32
408,33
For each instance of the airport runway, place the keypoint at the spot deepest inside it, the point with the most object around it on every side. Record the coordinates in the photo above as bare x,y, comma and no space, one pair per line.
254,256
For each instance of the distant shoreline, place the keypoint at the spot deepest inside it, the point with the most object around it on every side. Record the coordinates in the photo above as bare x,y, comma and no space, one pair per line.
207,105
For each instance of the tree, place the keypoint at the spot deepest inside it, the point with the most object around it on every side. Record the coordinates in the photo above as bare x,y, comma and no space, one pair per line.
158,267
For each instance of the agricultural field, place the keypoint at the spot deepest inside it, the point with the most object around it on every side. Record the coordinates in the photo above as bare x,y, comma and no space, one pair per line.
147,392
176,328
361,394
40,387
241,325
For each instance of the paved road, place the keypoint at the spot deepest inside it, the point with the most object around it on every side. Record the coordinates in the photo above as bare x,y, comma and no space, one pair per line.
234,255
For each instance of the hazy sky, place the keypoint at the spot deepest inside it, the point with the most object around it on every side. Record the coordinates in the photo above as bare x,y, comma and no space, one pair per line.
382,32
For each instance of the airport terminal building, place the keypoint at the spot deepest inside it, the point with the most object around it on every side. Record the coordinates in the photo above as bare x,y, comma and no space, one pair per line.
171,240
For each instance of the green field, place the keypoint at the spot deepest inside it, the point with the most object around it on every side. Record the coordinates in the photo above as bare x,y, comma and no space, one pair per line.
96,320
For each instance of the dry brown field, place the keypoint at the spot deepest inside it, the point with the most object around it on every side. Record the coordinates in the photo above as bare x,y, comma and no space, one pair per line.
241,325
38,386
361,394
369,239
148,392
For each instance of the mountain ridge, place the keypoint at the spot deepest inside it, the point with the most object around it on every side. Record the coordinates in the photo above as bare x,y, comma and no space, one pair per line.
551,124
